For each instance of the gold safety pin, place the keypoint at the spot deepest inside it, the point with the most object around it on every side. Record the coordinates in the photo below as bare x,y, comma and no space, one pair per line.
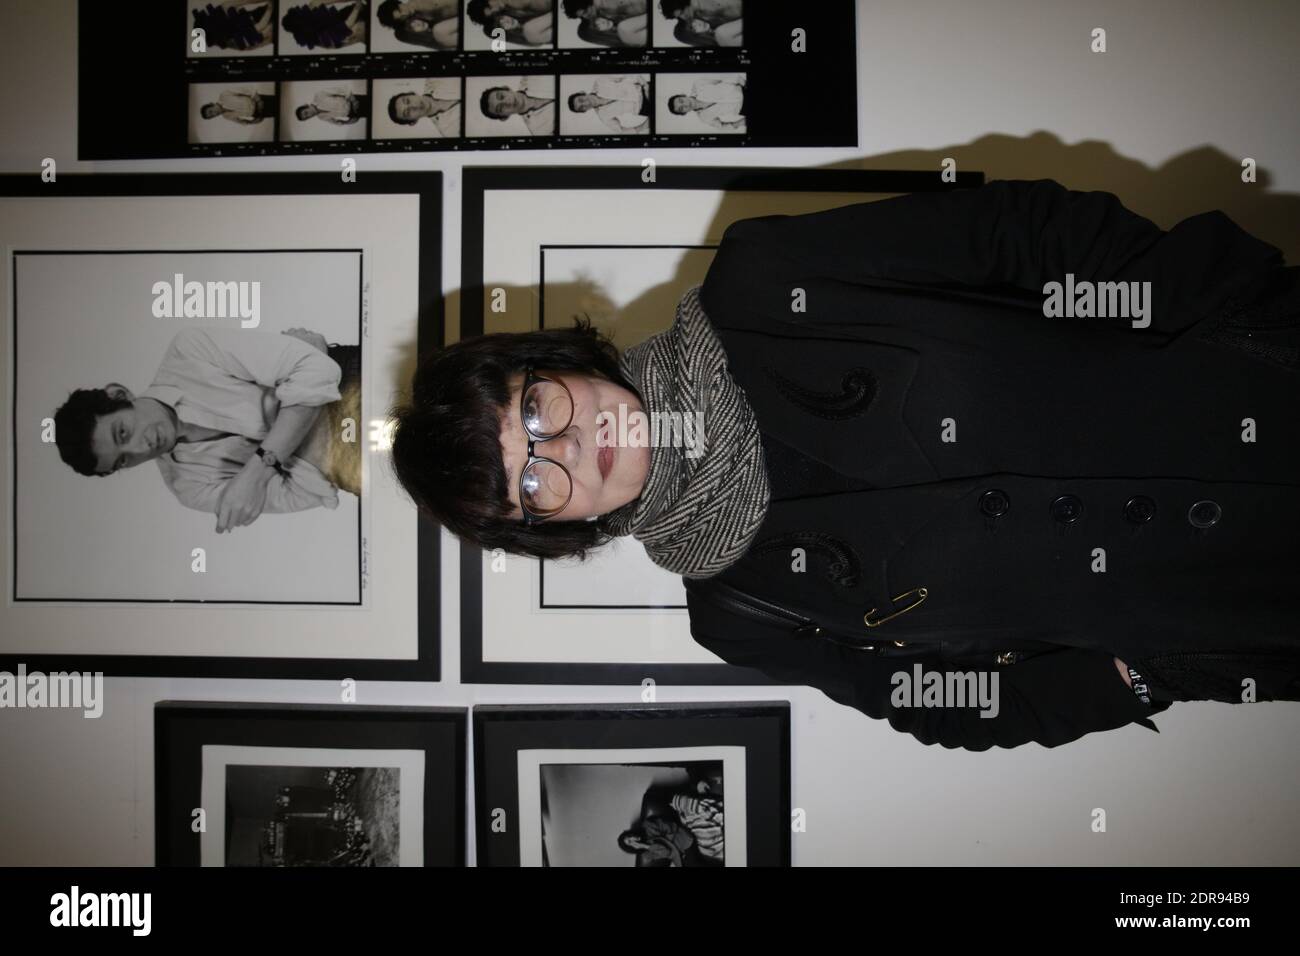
919,592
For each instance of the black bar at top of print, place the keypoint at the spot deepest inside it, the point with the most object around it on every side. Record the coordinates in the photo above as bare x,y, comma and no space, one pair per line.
430,333
153,66
180,252
475,183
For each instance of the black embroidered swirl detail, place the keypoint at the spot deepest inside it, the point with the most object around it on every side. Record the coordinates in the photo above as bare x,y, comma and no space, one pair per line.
843,567
857,391
1246,328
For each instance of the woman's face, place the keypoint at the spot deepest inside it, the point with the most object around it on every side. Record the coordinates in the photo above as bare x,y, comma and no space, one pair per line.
604,478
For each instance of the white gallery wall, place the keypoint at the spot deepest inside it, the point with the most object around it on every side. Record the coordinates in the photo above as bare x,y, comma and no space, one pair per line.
1186,90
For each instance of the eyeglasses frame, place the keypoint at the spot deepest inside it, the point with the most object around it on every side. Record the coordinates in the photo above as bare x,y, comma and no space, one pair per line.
530,378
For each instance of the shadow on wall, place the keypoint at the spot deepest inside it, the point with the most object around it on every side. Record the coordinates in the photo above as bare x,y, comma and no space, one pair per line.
1194,182
1198,181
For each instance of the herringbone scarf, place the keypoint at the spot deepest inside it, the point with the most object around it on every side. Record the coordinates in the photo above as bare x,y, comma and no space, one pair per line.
696,515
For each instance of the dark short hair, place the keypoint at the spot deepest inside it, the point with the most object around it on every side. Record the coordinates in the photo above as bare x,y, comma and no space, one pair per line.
74,426
392,109
685,34
446,438
476,10
483,101
386,13
574,96
675,96
575,8
670,8
305,106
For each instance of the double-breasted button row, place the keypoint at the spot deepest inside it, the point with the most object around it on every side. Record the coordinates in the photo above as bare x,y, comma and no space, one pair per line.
1067,509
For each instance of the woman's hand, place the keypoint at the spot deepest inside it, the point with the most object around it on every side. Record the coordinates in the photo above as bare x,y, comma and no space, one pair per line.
1123,672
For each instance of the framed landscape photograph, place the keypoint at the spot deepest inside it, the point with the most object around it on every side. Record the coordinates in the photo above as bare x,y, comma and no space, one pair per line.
541,246
256,785
701,785
197,376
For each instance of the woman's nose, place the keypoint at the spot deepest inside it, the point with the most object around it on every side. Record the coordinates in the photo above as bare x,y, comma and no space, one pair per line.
564,447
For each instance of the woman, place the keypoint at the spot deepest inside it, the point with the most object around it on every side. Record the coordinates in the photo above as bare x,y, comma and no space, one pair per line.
915,468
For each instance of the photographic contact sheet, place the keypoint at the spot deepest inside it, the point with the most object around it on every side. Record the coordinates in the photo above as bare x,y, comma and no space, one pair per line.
344,76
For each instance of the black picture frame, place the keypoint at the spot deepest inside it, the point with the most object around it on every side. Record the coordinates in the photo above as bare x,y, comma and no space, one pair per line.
794,97
761,727
182,728
427,187
476,184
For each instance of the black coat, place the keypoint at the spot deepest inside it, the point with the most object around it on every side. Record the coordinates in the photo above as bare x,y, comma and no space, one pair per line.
925,312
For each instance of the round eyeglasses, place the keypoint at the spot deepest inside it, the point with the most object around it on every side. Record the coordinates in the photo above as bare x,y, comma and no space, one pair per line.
546,411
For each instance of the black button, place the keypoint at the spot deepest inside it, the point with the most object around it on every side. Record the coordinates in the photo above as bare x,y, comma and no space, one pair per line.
1067,509
1205,513
994,503
1139,509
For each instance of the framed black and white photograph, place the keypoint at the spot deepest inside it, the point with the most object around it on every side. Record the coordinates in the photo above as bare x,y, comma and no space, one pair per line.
595,104
592,24
232,28
295,786
503,25
683,23
162,409
418,108
695,102
323,27
415,26
232,112
510,105
324,109
733,87
701,785
598,242
197,417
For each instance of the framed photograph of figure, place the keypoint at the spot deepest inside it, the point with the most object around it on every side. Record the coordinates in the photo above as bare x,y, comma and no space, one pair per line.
592,24
297,785
519,24
232,28
323,27
638,785
418,108
510,106
696,102
421,27
232,112
541,246
596,104
196,404
324,110
716,23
